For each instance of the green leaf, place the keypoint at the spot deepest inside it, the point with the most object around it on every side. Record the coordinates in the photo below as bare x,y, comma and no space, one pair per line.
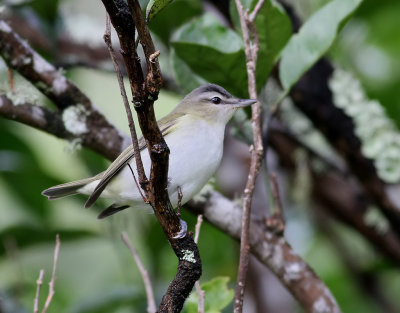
213,52
175,15
221,50
313,40
184,76
217,296
367,47
155,6
47,10
273,28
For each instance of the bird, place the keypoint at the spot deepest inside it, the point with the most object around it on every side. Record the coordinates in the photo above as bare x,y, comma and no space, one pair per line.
194,132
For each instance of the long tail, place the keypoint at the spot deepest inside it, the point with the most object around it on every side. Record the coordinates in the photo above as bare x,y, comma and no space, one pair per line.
68,189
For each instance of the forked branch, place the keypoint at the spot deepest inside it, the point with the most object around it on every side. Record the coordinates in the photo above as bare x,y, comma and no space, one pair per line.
127,19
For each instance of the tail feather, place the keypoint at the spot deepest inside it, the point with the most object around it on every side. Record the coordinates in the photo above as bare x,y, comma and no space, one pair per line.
112,209
68,189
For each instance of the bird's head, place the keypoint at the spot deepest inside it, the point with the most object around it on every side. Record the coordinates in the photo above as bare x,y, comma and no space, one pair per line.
212,103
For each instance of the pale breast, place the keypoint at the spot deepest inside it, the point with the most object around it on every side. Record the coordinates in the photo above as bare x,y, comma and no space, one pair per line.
194,157
195,154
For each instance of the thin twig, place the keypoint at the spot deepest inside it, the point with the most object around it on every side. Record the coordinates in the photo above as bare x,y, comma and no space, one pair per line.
127,18
179,205
153,79
197,229
275,222
151,304
53,275
11,80
268,247
39,283
135,142
256,10
251,49
200,292
276,195
137,184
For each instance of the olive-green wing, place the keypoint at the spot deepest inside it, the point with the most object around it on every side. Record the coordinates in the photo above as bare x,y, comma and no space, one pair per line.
70,188
121,161
112,170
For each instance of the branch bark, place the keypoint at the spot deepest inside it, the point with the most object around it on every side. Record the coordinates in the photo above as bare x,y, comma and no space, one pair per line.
335,192
251,50
272,250
314,98
135,142
126,19
19,56
101,146
51,82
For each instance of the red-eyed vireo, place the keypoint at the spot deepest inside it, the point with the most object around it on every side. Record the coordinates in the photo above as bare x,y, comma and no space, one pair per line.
194,133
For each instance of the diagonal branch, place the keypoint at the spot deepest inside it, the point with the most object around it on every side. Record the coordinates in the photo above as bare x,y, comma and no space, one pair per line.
272,250
153,79
335,192
65,95
51,82
144,93
151,304
53,275
52,122
315,101
135,142
312,96
112,147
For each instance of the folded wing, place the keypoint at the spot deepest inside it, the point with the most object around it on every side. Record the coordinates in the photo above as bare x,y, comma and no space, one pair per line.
122,160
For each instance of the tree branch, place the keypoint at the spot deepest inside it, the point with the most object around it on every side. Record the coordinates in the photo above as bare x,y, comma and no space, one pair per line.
272,250
131,123
116,146
336,193
151,304
53,275
368,281
52,122
200,292
39,283
312,96
64,94
126,19
251,50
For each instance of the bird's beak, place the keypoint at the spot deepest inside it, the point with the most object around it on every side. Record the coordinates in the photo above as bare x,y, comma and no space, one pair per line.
240,103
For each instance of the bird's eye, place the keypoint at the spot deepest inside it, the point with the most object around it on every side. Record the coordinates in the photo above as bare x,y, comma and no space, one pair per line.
216,100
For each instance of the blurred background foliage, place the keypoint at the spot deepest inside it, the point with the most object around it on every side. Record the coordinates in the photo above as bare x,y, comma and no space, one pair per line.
95,271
